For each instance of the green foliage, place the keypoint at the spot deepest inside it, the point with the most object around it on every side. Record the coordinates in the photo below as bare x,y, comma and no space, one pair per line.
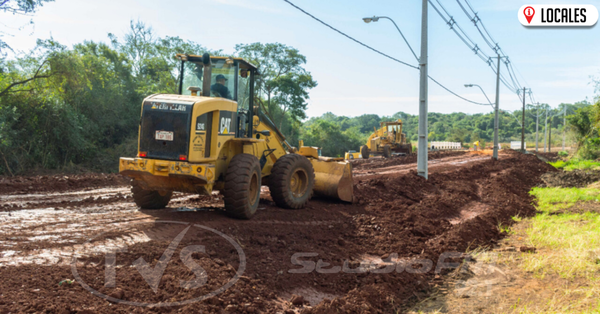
585,123
549,199
80,106
563,153
284,81
575,164
331,138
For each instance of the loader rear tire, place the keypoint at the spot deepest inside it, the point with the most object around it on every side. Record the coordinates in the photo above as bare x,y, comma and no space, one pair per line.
364,151
150,199
292,181
386,151
242,186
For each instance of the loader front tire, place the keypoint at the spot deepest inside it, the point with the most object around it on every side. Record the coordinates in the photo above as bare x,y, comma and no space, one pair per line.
242,186
364,151
150,199
292,181
387,151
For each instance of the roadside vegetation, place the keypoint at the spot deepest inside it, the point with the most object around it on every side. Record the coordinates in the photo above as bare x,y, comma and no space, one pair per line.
576,164
77,108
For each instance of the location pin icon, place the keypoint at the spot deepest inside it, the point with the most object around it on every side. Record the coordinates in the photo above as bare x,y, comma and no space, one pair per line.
529,13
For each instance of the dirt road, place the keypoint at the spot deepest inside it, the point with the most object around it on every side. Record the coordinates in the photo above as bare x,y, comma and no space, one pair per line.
335,257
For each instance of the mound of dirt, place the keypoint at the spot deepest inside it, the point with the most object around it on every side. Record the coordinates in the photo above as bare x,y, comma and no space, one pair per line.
548,157
396,219
571,179
59,183
418,218
373,163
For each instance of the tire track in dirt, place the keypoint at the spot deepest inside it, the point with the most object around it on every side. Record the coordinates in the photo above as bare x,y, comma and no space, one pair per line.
396,212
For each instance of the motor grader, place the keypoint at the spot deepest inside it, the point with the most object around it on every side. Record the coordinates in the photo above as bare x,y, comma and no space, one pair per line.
204,139
386,141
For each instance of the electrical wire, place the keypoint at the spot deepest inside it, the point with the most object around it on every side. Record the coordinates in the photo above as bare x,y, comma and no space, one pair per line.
351,38
454,26
381,53
493,44
455,94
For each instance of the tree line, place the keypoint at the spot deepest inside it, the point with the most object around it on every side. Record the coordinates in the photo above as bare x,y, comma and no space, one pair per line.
71,108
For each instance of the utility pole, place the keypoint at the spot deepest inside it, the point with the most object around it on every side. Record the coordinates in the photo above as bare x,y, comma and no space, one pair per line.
550,136
522,122
564,126
495,155
422,145
546,129
537,122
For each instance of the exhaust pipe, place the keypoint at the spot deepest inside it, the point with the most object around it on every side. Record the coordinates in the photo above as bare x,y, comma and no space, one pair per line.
207,74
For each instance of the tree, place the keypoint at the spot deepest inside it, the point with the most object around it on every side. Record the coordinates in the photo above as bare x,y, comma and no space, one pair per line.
20,7
279,65
292,93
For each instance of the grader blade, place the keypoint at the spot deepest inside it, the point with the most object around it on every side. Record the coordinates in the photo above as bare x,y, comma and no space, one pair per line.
333,178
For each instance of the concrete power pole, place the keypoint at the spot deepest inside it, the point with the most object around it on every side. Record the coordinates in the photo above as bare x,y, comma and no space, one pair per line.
550,136
495,155
546,130
523,123
537,122
422,145
564,126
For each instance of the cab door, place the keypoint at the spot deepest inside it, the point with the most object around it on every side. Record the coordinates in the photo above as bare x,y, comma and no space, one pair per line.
201,140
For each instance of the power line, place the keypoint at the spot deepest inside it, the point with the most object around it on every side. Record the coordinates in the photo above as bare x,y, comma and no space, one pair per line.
381,53
351,38
493,44
467,40
455,94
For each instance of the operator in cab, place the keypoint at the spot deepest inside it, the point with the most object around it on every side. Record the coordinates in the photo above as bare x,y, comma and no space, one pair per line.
219,88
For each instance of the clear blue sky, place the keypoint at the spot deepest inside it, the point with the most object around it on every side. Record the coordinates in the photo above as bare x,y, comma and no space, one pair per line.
558,64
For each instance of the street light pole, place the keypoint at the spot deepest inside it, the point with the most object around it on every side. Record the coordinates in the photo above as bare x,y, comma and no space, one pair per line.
376,19
422,146
495,156
523,124
564,126
546,129
537,123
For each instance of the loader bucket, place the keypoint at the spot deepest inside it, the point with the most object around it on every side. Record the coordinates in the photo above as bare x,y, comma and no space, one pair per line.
333,178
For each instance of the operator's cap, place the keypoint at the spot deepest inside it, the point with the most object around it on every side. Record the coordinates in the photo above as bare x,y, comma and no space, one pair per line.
220,77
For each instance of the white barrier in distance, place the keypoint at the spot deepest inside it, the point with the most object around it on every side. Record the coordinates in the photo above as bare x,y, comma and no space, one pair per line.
445,145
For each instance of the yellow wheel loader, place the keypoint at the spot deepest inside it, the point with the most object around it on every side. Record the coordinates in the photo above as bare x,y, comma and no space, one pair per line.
213,136
386,141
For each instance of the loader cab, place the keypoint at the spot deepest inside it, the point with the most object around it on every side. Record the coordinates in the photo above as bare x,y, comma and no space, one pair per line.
224,77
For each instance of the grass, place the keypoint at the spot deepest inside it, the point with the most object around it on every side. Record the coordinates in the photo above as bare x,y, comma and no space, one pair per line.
571,246
574,164
571,241
561,276
552,199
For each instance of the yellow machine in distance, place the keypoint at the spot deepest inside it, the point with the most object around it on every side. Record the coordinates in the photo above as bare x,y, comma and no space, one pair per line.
212,136
386,141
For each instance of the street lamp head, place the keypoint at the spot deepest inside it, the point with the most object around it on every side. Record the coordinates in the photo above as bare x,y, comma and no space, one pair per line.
371,19
468,85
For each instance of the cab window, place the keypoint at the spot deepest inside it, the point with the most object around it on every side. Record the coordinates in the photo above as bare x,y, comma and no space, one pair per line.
223,79
192,76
